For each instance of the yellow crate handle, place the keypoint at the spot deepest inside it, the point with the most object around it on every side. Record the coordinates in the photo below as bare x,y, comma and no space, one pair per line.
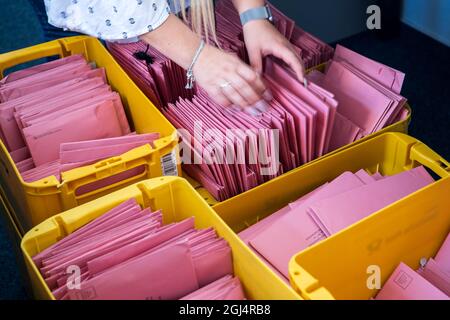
43,50
141,156
305,284
422,154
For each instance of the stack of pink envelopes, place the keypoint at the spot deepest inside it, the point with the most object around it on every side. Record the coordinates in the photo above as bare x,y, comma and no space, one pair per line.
430,282
230,151
327,210
127,253
164,82
368,93
46,110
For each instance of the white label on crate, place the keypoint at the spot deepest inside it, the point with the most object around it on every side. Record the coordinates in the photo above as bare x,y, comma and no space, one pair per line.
169,164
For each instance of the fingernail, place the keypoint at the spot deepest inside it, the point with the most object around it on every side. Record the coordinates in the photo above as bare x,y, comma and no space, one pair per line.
261,106
252,111
267,95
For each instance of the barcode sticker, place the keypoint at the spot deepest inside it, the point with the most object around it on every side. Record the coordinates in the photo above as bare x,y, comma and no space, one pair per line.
169,164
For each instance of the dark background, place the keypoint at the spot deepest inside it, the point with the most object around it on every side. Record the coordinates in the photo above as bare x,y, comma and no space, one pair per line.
425,61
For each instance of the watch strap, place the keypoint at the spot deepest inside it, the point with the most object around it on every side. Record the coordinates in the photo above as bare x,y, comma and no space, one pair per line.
259,13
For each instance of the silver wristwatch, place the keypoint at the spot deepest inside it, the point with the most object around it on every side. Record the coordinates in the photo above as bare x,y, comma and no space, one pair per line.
259,13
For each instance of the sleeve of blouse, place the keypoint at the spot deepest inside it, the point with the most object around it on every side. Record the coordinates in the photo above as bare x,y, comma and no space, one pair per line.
111,20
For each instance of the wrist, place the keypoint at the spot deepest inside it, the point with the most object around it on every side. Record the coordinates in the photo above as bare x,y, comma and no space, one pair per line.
190,78
256,24
244,5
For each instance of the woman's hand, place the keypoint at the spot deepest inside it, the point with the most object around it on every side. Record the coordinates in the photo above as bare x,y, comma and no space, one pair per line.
263,39
231,82
227,79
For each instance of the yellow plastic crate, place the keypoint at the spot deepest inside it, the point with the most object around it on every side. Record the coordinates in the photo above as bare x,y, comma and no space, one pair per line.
33,202
412,228
178,201
389,153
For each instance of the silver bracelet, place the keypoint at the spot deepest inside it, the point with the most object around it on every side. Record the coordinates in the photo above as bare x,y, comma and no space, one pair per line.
190,72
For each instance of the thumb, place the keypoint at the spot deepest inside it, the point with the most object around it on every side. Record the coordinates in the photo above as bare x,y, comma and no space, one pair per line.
255,58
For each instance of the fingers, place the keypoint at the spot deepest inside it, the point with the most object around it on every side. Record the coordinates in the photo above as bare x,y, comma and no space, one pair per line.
256,60
252,78
292,60
234,95
245,89
221,98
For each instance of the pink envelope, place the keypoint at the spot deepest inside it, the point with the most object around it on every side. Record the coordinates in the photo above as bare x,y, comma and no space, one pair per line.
406,284
48,78
325,112
122,219
129,216
30,117
443,255
122,254
20,74
364,176
103,183
8,123
84,153
344,132
81,256
84,230
338,212
30,173
436,275
120,242
89,144
37,108
127,219
20,154
37,86
358,101
226,288
213,263
163,275
377,176
106,96
251,232
25,165
95,122
387,76
295,230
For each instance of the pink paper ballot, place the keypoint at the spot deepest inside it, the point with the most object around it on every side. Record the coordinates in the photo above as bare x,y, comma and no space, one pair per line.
295,230
406,284
336,213
20,74
226,288
388,77
124,253
443,255
95,122
164,275
128,254
77,154
437,276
